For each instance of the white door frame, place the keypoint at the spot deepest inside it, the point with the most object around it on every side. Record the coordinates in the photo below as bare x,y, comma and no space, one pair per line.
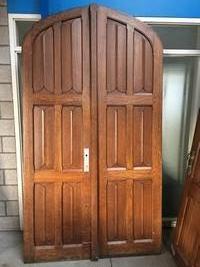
14,50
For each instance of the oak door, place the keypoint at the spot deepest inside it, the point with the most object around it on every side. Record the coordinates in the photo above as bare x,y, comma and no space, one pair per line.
92,93
186,240
129,75
57,128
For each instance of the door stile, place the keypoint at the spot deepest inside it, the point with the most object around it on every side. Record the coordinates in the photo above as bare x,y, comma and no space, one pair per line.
157,143
101,74
86,99
130,73
58,184
129,127
58,134
94,134
28,156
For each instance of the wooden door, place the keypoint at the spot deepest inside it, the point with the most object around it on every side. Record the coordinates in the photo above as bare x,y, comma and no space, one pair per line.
57,209
186,241
92,79
129,75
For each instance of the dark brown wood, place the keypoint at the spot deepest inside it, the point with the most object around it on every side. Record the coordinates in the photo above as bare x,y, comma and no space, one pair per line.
92,79
57,127
129,74
186,239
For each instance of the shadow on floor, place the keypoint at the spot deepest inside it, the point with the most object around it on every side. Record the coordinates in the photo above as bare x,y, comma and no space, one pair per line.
11,256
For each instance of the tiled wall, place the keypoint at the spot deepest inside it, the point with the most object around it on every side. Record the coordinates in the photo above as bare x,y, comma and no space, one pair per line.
9,218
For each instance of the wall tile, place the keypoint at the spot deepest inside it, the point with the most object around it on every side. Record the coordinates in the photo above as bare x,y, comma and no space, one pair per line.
7,161
4,54
1,177
5,72
4,40
12,208
10,177
6,110
8,192
8,144
2,208
5,92
3,16
7,128
9,223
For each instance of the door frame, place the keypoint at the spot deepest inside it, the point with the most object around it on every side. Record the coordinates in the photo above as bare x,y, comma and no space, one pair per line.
14,50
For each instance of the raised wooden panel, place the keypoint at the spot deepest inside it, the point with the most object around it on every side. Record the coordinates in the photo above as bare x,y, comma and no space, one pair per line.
116,57
44,214
142,210
116,211
143,64
44,137
72,213
72,129
72,56
116,136
142,136
43,62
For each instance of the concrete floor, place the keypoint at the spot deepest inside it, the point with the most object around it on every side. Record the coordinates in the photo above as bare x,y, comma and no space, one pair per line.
11,256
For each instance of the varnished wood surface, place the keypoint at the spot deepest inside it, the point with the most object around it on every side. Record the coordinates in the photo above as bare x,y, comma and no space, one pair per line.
186,239
92,79
129,72
57,127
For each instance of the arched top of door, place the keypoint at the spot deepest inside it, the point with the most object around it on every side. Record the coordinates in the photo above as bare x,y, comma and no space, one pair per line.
119,17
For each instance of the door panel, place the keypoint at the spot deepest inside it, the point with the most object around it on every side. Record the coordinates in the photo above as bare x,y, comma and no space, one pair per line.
56,130
116,57
186,244
116,136
116,195
72,57
71,213
143,64
72,143
142,210
43,62
44,137
142,136
129,110
44,210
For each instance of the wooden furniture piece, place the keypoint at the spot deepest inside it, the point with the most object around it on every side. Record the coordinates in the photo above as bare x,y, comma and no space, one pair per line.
186,240
92,136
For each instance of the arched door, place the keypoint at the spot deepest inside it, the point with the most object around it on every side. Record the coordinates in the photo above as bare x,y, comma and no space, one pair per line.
57,128
92,136
129,75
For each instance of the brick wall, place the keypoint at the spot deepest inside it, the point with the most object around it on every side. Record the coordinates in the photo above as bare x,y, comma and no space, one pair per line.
9,219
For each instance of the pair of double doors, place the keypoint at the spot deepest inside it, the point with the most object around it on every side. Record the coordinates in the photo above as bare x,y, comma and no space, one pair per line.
92,136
